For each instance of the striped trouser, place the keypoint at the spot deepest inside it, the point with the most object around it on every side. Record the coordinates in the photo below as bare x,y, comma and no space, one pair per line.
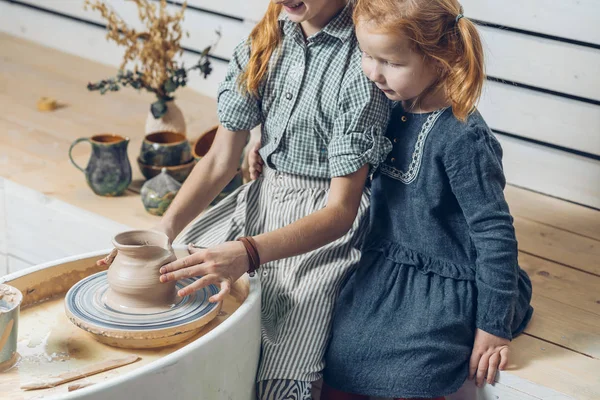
284,389
298,293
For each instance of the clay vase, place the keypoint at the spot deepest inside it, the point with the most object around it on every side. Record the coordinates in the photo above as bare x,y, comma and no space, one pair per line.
204,143
108,172
133,277
172,121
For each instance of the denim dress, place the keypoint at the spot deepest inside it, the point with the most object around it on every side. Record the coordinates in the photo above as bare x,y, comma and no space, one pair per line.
439,261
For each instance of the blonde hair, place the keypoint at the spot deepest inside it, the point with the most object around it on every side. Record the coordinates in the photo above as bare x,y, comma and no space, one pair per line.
264,39
437,30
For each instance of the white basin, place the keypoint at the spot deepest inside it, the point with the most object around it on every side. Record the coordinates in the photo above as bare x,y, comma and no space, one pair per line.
220,364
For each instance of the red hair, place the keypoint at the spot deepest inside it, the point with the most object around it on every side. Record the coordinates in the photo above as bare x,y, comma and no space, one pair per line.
437,30
264,39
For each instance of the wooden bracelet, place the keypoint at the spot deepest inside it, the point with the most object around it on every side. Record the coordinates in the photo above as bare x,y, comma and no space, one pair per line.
253,256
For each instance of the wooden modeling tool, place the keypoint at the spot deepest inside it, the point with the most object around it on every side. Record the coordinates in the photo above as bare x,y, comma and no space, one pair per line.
81,373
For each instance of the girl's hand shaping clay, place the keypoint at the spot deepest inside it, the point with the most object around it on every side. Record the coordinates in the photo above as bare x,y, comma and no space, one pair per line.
220,265
106,261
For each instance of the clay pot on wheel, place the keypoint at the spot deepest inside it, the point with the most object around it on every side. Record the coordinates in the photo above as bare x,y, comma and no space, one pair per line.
133,276
128,307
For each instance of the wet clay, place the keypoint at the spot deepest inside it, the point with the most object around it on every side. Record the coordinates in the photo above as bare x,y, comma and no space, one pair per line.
134,275
129,307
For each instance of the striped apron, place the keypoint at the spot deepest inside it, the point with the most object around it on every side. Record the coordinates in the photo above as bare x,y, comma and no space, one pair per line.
298,293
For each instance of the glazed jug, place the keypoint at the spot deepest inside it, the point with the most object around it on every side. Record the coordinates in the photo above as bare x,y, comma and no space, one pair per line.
108,172
133,276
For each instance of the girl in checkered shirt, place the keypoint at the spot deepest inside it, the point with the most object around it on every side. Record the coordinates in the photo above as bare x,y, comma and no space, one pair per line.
298,75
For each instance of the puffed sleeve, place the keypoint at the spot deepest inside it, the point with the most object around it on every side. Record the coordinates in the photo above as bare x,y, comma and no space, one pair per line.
473,164
358,131
237,111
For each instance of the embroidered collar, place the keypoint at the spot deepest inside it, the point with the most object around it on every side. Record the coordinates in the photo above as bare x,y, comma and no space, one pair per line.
411,173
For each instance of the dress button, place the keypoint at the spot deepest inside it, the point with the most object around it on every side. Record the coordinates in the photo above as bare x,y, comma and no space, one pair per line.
265,273
288,96
393,159
395,140
403,118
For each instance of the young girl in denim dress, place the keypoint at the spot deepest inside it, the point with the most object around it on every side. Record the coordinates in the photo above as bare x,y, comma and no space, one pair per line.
438,293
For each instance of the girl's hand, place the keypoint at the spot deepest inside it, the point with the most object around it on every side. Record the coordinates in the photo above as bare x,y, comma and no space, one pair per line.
490,353
106,261
219,265
255,162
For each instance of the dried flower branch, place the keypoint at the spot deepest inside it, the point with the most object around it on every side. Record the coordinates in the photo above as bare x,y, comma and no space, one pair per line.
151,53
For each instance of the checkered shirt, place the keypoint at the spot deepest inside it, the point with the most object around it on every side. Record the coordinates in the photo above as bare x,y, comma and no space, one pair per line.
320,115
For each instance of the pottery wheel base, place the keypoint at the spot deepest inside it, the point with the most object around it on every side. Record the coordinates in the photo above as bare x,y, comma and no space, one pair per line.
86,307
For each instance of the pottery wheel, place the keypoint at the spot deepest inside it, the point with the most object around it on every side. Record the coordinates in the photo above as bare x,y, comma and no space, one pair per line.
86,307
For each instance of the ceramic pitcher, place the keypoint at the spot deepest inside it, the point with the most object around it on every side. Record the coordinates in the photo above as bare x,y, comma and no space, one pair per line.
10,302
108,172
133,276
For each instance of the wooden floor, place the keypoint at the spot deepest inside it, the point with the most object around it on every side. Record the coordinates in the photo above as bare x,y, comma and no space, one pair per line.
559,242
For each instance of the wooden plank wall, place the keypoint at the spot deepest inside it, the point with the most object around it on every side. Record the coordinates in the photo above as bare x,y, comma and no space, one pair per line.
542,97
